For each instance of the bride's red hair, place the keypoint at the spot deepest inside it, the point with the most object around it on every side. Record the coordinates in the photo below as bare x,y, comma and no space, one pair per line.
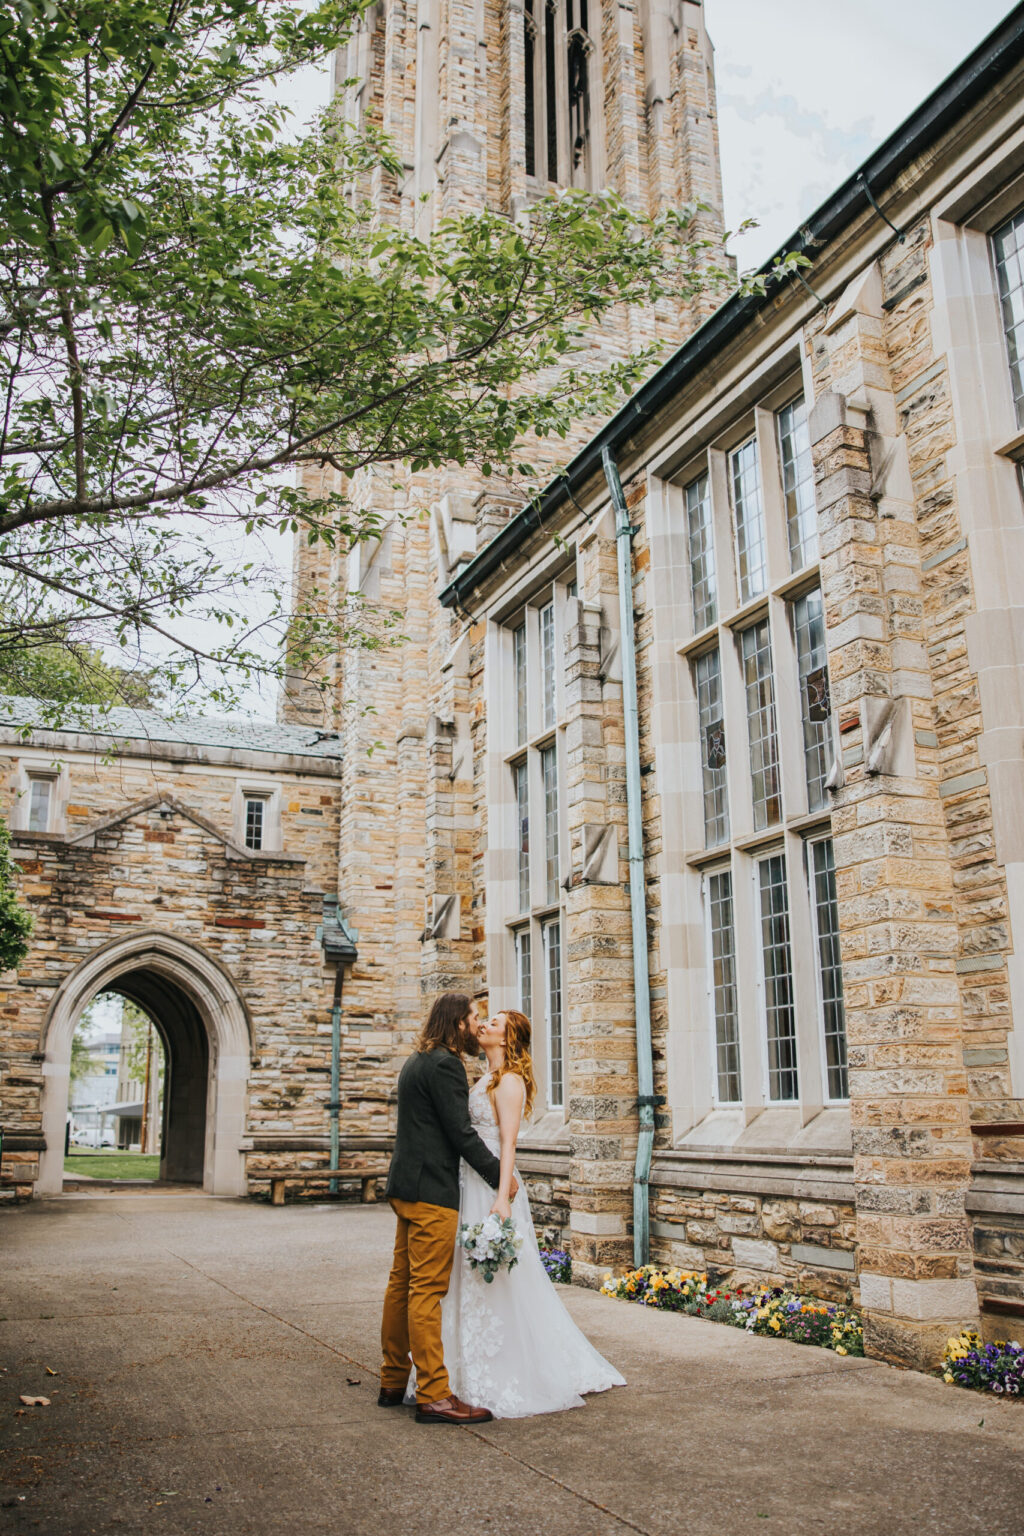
518,1034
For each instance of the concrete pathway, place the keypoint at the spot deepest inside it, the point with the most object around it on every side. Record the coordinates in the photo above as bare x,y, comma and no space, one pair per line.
215,1372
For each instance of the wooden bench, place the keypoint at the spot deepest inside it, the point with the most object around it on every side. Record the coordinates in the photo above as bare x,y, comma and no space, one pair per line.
367,1181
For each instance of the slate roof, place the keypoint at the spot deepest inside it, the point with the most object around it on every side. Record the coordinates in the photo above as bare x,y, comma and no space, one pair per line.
150,725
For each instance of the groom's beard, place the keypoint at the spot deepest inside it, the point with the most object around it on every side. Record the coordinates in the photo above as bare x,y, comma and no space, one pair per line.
470,1044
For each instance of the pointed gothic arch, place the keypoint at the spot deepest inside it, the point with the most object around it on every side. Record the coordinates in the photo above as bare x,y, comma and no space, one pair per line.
204,1021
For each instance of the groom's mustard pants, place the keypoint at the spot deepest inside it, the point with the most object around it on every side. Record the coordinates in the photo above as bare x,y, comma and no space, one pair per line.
420,1271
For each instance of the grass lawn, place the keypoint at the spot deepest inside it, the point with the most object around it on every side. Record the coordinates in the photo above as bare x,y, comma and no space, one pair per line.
113,1165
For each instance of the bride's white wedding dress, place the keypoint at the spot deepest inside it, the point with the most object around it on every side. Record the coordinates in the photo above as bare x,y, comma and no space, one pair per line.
511,1346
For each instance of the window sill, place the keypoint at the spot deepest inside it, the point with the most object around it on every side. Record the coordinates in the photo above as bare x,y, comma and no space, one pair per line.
1014,449
752,612
777,1132
705,640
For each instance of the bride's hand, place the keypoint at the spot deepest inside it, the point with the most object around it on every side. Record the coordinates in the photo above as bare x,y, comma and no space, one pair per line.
502,1208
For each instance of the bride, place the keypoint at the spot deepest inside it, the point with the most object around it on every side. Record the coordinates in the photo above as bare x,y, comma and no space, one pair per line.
510,1345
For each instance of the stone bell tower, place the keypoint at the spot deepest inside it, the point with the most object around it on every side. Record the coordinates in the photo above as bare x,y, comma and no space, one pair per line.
491,103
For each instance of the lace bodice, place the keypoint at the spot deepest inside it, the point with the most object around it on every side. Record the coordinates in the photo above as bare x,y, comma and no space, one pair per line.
481,1113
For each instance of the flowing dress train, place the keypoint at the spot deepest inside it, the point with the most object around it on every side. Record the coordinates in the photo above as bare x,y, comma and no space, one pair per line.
511,1346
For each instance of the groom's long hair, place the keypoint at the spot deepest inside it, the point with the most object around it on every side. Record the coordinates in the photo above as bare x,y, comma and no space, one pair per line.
443,1030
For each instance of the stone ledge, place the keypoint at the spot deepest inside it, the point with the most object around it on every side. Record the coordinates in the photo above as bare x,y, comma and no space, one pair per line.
996,1189
816,1178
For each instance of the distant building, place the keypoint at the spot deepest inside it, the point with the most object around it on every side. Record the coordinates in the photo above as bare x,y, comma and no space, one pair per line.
193,873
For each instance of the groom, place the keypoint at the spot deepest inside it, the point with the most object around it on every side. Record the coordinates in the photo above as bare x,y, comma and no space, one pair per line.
434,1131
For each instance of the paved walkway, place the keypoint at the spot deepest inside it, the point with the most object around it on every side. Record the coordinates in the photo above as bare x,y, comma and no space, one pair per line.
215,1373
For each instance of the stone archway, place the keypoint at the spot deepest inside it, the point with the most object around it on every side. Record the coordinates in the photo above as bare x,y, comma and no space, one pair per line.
208,1035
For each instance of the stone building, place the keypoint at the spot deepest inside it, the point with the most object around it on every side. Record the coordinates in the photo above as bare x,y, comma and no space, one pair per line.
194,874
823,521
821,526
491,106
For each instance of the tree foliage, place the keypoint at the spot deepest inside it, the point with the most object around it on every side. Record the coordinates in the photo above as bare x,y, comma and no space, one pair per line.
83,1062
191,303
69,671
16,923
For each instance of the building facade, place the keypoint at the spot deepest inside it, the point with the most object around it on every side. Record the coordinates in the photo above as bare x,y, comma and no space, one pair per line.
825,517
824,521
193,873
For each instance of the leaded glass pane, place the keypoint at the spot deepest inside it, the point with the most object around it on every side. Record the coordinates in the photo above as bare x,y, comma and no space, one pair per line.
798,484
547,665
830,971
519,652
254,823
39,797
524,978
1008,245
549,775
702,552
556,1047
707,672
777,971
521,776
748,509
723,987
815,704
764,747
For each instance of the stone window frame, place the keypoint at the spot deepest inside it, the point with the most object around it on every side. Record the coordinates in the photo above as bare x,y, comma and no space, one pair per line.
270,794
507,920
780,379
987,465
33,768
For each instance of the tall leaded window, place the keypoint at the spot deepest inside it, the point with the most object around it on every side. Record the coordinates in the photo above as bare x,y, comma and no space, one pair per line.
524,971
708,675
520,773
761,733
748,511
722,985
549,772
702,552
531,725
830,971
777,978
519,655
756,657
1008,248
556,1027
798,484
547,665
815,705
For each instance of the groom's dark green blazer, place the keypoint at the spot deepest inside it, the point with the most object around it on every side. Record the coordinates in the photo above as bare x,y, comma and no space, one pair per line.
434,1131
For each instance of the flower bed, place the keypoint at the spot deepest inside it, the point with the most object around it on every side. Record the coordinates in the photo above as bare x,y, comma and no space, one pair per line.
558,1264
996,1367
769,1311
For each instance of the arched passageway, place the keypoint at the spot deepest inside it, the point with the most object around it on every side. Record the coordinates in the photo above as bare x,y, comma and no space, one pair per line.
207,1039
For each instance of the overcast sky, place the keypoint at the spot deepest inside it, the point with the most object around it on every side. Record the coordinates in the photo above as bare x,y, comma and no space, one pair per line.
805,93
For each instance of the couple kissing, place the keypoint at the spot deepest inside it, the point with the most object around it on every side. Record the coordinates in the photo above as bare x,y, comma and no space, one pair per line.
464,1349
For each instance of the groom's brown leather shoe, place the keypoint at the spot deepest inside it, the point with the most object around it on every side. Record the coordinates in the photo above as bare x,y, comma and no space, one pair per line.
390,1397
451,1410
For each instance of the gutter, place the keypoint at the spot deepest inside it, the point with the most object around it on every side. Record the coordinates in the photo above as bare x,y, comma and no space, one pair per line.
637,883
994,58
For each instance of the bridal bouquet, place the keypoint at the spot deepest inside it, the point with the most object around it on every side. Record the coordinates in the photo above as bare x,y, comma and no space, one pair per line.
491,1245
